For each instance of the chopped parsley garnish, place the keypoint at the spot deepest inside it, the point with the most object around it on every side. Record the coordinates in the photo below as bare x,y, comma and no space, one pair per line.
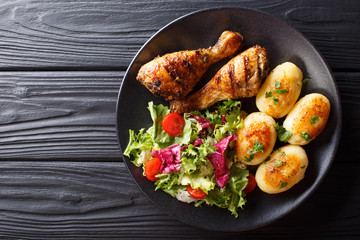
305,136
278,163
258,147
277,84
304,81
283,153
269,94
314,119
279,91
302,166
248,159
282,185
283,134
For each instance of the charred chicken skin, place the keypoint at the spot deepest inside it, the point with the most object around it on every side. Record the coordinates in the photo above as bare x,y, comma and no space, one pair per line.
241,77
174,75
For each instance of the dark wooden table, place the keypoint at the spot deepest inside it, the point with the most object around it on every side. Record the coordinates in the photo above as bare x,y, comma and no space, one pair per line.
61,171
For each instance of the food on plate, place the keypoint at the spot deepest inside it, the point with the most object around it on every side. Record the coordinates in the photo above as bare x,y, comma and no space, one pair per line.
307,119
256,139
199,150
198,164
280,90
174,75
241,77
285,168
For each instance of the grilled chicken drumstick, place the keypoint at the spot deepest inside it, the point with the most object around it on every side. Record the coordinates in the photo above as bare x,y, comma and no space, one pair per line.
174,75
241,77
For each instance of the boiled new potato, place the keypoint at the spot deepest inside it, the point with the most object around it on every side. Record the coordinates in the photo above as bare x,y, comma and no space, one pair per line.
286,167
256,139
280,90
308,118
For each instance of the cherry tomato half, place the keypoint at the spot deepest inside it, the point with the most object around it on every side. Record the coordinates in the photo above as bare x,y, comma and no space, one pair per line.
251,184
173,124
152,168
195,193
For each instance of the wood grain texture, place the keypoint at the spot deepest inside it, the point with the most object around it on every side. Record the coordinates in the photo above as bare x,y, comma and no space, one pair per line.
105,35
59,115
64,200
349,87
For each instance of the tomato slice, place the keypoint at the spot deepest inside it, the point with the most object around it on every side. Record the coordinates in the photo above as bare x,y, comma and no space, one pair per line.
173,124
152,168
195,193
251,184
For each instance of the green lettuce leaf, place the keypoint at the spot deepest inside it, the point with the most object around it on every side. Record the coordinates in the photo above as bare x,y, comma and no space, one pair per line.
234,121
214,117
139,146
195,156
196,169
202,178
167,181
190,159
188,135
220,197
237,183
231,196
159,136
225,106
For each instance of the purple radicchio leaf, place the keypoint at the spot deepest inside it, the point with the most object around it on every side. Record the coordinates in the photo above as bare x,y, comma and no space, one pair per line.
196,143
170,158
203,122
218,161
223,119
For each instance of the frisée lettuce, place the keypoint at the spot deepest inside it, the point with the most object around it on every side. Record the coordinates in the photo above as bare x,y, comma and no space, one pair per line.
202,156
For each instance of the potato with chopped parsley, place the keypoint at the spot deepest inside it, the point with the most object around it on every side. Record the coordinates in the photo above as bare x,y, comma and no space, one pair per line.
256,139
307,119
280,90
285,168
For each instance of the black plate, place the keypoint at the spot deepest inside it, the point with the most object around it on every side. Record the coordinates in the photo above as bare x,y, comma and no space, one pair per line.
202,29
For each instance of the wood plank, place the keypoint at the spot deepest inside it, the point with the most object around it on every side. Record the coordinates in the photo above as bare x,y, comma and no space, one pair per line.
106,35
59,115
349,88
71,115
330,28
67,200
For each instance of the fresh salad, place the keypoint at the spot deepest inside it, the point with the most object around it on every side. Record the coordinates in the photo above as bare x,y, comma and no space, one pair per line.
192,156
